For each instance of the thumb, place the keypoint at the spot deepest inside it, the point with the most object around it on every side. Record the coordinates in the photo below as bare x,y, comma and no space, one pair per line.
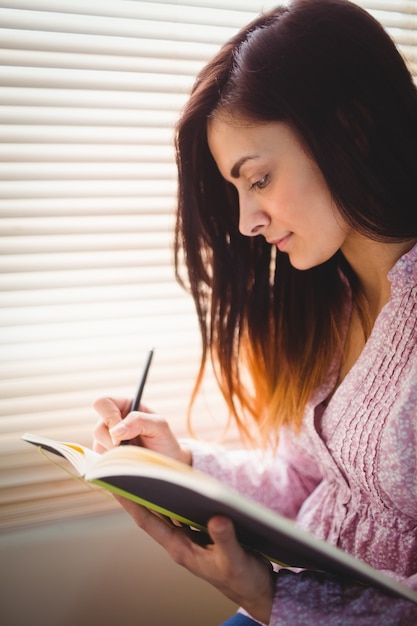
222,533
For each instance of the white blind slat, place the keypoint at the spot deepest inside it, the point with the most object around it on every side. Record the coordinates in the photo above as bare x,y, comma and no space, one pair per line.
84,117
29,153
101,62
181,27
80,188
80,171
89,135
50,207
98,100
223,14
97,79
144,50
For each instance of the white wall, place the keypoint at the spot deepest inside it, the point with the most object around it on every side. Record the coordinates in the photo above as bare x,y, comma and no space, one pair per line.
101,571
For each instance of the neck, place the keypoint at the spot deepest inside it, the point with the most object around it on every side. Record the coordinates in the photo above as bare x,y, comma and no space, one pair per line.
372,261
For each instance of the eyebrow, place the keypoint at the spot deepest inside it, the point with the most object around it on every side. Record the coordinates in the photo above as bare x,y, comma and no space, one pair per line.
235,171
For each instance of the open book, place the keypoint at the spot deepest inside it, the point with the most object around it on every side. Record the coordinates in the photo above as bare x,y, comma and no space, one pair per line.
192,497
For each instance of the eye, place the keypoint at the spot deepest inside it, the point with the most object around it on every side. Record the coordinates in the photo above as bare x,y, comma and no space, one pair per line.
261,183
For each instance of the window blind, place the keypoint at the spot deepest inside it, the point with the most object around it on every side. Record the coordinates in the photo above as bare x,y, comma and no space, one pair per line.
90,92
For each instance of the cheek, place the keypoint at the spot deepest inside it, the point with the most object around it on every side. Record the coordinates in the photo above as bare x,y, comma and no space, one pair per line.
286,201
302,195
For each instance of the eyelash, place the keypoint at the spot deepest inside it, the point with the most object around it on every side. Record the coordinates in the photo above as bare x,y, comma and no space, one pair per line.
261,183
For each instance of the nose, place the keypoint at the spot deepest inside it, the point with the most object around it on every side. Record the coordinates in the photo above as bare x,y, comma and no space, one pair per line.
252,218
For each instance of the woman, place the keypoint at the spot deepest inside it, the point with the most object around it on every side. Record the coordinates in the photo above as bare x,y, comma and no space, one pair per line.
297,221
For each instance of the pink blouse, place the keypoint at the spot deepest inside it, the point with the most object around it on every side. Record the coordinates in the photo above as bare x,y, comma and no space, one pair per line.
350,476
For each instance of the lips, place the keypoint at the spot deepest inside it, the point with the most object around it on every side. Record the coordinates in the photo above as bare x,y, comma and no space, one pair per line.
281,242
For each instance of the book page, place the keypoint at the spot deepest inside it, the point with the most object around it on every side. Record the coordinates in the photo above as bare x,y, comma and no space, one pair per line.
80,457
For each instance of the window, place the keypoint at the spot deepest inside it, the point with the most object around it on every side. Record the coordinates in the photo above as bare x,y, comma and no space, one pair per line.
91,90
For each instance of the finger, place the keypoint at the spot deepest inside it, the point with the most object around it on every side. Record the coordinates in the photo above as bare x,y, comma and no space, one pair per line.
153,432
101,437
176,540
232,558
108,406
222,533
112,410
97,447
158,527
253,572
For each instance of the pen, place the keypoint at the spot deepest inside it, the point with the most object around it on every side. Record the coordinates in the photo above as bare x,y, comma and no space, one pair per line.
138,395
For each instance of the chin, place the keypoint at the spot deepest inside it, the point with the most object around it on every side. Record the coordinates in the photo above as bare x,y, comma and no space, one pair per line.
303,264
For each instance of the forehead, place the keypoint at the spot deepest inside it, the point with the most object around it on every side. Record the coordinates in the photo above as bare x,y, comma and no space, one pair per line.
233,143
219,128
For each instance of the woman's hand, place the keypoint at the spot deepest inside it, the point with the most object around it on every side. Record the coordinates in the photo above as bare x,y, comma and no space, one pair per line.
243,577
141,428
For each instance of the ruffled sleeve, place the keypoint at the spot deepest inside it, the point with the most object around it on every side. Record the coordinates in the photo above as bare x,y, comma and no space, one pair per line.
280,480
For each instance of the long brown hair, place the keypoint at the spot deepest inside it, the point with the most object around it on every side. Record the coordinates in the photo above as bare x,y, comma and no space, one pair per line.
329,70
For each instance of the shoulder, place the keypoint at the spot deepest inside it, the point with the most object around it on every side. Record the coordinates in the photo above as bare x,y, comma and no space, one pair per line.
403,276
